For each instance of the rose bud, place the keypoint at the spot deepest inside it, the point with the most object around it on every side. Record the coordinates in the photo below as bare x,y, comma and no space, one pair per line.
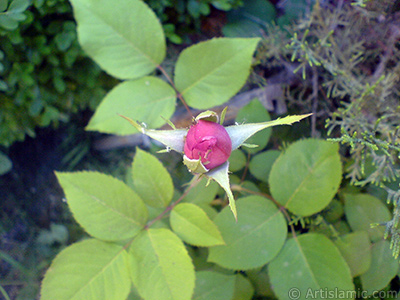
208,141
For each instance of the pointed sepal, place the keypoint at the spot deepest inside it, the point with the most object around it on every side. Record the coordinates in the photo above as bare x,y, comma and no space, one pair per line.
220,175
240,133
223,113
172,139
194,165
208,115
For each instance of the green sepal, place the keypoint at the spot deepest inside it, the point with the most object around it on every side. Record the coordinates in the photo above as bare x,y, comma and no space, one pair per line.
220,175
164,151
250,145
240,133
194,165
223,113
208,115
172,125
173,139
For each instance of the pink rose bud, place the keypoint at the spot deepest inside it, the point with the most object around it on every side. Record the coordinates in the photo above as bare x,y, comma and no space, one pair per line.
209,141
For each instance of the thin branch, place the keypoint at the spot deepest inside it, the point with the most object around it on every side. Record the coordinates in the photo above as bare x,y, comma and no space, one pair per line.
246,168
180,97
171,207
314,103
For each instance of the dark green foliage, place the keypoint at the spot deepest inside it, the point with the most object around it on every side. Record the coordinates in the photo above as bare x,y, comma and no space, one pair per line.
44,75
183,16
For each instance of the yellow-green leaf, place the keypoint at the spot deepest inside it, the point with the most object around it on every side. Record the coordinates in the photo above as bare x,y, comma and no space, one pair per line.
88,270
124,37
104,206
193,226
160,266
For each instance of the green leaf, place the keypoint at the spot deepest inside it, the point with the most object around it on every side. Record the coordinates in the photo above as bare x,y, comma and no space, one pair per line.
213,285
124,37
309,264
252,113
243,288
383,268
237,160
220,175
261,164
210,73
260,280
356,250
199,258
294,10
160,266
362,210
194,227
8,23
18,6
252,241
5,164
240,133
334,211
209,210
104,206
88,270
3,7
201,193
250,20
3,86
151,180
306,176
147,99
10,19
242,28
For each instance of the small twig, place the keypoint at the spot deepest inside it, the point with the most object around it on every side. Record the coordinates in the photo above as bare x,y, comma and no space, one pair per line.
387,55
180,97
171,207
246,168
314,103
4,293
